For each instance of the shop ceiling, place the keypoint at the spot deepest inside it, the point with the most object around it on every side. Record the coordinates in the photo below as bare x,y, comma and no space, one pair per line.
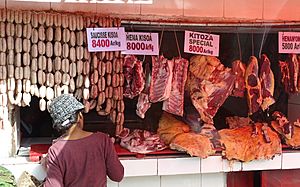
217,27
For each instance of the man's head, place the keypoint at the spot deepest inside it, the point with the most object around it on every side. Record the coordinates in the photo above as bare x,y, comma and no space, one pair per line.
65,111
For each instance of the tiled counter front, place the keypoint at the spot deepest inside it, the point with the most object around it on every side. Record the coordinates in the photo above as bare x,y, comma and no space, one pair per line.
175,172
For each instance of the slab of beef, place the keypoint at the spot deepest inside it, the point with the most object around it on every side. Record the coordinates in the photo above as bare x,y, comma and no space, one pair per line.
142,141
177,135
266,77
175,103
239,69
169,127
253,86
194,144
144,103
161,81
241,144
134,76
209,84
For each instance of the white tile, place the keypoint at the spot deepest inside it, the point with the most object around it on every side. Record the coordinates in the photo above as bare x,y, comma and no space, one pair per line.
111,183
140,167
233,165
214,180
173,166
193,180
153,181
274,163
293,112
23,5
290,160
211,164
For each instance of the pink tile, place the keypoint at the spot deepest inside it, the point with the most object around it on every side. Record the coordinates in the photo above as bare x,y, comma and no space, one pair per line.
74,7
203,8
119,8
281,10
163,8
2,3
25,5
243,9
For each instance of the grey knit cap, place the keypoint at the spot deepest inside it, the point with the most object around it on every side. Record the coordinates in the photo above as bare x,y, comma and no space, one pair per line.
62,107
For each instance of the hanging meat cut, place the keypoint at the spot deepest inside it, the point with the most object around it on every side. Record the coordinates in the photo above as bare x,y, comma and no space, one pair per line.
161,82
144,103
294,70
209,84
285,75
142,141
135,79
174,104
266,77
239,69
253,86
290,73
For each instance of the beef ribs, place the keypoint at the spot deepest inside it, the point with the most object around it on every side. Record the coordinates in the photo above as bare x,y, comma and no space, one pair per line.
174,104
161,81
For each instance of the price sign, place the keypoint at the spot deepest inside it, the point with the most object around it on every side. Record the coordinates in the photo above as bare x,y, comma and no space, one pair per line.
201,43
139,43
289,42
106,39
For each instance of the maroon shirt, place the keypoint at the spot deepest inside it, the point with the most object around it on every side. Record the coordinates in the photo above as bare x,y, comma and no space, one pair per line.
83,162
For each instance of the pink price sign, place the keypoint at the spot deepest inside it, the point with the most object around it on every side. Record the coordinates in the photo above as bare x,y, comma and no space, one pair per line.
289,42
139,43
201,43
106,39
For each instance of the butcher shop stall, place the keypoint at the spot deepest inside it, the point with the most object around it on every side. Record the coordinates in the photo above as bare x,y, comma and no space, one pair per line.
188,100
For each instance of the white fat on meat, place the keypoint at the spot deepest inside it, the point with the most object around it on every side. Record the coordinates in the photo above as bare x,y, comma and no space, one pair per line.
175,103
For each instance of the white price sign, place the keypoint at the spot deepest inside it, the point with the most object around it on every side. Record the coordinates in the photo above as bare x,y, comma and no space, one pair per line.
139,43
106,39
289,42
201,43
